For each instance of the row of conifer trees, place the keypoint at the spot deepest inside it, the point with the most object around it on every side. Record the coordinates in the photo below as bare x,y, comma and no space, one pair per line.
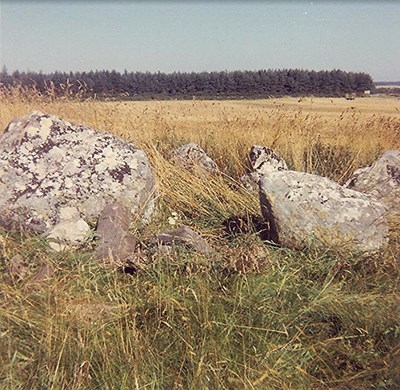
181,85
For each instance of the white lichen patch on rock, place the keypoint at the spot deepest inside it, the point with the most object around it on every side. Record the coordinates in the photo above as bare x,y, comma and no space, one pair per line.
304,209
68,212
48,165
43,130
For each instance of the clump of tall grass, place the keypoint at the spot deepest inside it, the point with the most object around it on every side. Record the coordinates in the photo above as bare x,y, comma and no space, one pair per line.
190,321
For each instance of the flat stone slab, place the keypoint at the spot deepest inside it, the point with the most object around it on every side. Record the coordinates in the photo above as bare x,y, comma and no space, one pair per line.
116,244
183,235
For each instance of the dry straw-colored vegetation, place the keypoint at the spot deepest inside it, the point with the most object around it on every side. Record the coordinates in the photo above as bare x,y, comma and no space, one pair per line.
249,316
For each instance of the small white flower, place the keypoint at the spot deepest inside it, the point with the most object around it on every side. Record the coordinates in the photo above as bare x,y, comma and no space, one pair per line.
173,218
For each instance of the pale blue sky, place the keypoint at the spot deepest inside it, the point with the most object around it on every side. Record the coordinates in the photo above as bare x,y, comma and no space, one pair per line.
172,36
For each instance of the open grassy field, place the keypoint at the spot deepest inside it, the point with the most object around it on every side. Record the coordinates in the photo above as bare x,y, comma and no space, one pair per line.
249,316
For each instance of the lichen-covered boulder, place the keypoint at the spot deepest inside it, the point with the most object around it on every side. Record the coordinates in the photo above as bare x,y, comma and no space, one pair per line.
48,165
380,179
263,160
308,210
191,156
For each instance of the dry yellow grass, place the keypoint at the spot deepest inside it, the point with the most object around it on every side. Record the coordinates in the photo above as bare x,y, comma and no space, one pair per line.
227,129
252,316
330,137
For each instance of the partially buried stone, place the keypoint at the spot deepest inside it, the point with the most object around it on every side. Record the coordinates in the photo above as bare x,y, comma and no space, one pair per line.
192,156
48,164
45,272
184,235
307,210
71,230
17,267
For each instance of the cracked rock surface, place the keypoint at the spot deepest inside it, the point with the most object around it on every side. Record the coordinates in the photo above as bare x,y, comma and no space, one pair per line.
49,165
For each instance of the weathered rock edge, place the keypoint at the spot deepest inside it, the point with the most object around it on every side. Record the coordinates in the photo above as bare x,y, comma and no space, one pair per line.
48,165
308,210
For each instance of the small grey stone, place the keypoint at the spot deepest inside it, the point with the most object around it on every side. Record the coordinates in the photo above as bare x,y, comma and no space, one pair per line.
192,156
263,161
69,232
45,272
184,235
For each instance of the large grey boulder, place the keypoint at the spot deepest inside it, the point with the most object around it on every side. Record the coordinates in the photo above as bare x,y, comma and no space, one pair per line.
380,179
191,156
51,168
307,210
263,161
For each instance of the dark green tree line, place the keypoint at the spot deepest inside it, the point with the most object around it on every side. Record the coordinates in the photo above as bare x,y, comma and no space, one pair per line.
183,85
